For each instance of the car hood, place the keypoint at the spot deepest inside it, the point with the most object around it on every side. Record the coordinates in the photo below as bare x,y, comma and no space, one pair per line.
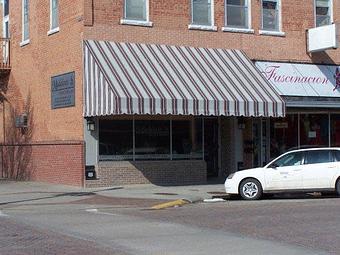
250,172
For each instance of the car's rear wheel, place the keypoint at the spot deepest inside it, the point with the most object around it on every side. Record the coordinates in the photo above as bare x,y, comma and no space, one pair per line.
250,189
338,187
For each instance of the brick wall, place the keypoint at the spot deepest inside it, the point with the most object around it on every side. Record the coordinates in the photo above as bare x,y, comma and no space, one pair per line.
33,65
45,56
112,173
170,26
60,163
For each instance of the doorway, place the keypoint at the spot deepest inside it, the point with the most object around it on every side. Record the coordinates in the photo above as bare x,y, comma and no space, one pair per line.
211,146
261,142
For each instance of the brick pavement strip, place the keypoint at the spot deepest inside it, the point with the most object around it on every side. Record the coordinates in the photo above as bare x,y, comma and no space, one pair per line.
20,239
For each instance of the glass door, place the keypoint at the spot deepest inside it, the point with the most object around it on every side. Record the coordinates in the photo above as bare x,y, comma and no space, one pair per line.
260,142
211,146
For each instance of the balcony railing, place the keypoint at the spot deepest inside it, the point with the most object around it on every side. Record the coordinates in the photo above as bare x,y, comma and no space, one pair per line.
5,54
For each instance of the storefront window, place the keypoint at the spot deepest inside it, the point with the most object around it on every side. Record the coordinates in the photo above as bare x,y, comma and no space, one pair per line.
152,139
335,130
283,135
187,139
116,139
314,130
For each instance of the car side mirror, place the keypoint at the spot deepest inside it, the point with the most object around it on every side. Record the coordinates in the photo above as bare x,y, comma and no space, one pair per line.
274,166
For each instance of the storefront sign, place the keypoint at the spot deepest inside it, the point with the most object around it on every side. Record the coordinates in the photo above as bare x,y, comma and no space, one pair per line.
63,90
311,134
302,79
280,125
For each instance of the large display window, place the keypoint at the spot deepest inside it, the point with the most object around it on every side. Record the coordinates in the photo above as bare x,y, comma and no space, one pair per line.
283,134
152,139
145,139
116,139
304,130
314,130
335,130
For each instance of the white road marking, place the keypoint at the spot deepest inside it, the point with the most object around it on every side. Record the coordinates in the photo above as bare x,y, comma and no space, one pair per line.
96,211
3,214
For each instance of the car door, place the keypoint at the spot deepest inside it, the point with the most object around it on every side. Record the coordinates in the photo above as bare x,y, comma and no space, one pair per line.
285,173
320,169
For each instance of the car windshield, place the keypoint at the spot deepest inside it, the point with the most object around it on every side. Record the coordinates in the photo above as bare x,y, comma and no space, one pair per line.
291,159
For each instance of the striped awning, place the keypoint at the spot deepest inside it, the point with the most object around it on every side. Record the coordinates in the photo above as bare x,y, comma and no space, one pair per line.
128,78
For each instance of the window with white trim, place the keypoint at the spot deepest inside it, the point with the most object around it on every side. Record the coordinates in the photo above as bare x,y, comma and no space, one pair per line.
201,12
5,24
25,20
54,14
237,14
271,15
323,13
136,10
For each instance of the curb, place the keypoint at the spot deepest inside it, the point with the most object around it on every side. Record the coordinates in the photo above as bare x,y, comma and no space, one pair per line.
174,203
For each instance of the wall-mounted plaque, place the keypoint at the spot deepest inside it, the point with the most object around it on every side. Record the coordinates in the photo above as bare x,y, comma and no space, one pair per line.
63,90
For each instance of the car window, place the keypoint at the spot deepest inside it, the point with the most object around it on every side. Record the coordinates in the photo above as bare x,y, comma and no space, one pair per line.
336,154
291,159
318,156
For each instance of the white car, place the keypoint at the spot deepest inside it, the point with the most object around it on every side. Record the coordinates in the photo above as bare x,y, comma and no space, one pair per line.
305,170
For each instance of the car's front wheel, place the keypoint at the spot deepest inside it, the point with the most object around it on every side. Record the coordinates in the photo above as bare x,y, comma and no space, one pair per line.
338,187
250,189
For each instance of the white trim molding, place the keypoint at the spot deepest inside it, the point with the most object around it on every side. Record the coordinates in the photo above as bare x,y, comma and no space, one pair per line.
201,27
272,33
136,23
23,43
53,31
238,30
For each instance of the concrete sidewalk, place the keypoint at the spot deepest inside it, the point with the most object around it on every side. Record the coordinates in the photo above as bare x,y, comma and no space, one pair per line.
36,192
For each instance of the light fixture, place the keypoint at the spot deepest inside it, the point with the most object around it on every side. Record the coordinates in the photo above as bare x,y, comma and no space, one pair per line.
241,123
91,125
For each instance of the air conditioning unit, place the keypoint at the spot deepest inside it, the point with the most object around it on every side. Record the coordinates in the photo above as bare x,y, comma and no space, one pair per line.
21,121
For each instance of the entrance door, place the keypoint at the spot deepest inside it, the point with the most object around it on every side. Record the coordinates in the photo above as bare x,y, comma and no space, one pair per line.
260,142
211,146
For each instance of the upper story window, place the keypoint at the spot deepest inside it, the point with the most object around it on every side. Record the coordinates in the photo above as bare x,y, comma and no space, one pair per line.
323,12
5,22
271,15
6,8
201,12
136,12
25,21
237,14
54,14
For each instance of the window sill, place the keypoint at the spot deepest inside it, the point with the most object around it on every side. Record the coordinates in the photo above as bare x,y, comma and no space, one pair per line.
24,43
238,30
201,27
136,23
272,33
53,31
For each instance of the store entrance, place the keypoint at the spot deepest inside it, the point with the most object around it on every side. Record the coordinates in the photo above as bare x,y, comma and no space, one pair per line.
211,146
260,142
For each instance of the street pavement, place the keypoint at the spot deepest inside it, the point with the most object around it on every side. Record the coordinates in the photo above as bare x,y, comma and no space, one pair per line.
35,218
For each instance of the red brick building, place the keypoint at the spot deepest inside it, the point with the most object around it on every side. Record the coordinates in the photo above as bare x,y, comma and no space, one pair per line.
163,91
